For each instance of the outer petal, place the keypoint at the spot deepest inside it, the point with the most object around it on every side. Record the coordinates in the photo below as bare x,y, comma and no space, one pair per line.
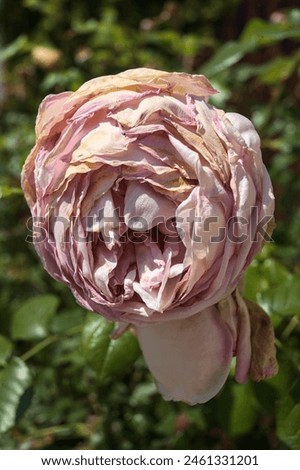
235,313
190,358
246,129
179,83
243,347
263,361
49,109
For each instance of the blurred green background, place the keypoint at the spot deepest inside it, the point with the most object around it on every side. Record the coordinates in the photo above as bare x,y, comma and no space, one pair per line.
63,383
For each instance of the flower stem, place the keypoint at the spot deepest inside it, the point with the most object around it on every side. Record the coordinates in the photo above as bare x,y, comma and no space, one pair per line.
47,341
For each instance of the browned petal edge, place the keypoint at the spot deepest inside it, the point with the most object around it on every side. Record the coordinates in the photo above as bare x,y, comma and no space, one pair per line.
263,361
270,228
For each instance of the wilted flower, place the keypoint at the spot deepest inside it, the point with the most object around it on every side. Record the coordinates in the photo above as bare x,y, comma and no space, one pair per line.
149,203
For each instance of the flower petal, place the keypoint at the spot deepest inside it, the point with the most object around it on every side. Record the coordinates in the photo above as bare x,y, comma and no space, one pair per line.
246,129
263,361
145,208
190,358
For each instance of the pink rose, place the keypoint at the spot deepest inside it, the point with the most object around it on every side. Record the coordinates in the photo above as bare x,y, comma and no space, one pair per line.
149,203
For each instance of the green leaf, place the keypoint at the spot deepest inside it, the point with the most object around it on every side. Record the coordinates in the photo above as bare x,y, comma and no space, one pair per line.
121,355
220,99
167,425
14,380
267,393
85,27
66,320
5,350
262,32
195,415
24,403
284,299
32,319
278,69
107,356
288,423
254,282
142,394
294,16
6,191
244,410
19,45
96,341
226,56
69,78
271,285
274,272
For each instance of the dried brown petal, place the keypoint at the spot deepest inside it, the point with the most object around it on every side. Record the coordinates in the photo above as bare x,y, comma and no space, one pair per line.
263,362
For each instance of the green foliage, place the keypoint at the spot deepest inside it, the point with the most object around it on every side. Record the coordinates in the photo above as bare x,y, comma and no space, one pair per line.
6,191
107,356
226,56
265,33
275,288
6,348
243,418
64,383
288,423
14,380
32,319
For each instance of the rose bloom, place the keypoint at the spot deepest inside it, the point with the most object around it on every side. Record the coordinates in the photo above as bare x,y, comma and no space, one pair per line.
149,203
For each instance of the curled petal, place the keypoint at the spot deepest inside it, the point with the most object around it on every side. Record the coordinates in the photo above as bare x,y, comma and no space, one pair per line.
246,129
243,346
50,107
235,313
263,361
180,83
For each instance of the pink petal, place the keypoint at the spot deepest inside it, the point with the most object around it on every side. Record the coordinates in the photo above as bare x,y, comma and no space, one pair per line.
152,107
246,129
145,208
49,109
150,264
243,347
235,313
180,83
190,358
105,139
